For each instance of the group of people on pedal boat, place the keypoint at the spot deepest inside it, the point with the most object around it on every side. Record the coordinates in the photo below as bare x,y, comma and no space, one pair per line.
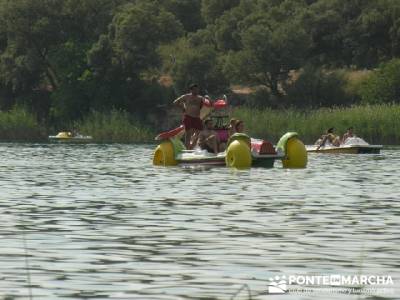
197,132
202,133
209,140
334,139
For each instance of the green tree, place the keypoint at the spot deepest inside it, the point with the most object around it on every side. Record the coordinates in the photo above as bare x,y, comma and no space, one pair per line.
228,26
133,37
120,59
136,32
353,32
211,10
383,85
316,88
44,44
195,64
324,22
269,53
188,12
376,33
30,30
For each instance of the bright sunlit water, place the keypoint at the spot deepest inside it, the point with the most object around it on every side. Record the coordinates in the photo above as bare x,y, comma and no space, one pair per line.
100,222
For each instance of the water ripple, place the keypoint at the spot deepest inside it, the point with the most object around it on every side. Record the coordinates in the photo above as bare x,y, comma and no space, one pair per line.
102,223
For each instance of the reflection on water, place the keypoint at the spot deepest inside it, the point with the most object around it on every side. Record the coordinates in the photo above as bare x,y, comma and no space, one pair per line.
102,223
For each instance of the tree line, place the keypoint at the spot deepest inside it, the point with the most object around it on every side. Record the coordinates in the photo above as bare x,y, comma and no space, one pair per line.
64,59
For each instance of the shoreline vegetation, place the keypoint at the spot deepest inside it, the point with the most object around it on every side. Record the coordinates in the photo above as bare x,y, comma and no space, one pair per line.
378,124
114,127
117,65
20,125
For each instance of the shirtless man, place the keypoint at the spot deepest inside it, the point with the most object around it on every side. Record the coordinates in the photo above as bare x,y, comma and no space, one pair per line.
208,138
191,104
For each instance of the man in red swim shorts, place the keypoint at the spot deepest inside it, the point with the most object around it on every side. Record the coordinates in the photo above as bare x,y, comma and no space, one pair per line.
191,104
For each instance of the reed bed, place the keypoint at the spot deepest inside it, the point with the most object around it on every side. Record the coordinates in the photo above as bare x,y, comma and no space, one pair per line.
378,124
19,124
114,127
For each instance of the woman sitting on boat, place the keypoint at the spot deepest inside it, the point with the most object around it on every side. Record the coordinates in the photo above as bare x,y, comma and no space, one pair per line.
330,137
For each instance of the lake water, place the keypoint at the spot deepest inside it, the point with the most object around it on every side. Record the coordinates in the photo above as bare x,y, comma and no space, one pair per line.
100,222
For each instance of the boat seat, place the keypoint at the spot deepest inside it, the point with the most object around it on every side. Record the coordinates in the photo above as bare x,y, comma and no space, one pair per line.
263,147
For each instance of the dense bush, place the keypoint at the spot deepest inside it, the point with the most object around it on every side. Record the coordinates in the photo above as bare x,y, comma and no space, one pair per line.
383,85
263,98
20,124
318,88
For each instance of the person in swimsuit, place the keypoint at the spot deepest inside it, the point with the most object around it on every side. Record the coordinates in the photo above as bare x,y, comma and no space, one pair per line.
191,104
331,137
208,138
349,133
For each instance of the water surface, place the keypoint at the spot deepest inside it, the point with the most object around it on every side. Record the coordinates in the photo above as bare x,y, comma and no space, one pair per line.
100,222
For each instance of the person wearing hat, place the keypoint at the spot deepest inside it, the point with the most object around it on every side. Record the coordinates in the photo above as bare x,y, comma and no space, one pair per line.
191,104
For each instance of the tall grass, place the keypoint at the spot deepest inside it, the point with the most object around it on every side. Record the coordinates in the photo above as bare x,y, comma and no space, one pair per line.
114,127
375,123
379,124
19,124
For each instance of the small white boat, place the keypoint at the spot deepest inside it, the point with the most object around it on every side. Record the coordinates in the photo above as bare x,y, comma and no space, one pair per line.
353,145
68,137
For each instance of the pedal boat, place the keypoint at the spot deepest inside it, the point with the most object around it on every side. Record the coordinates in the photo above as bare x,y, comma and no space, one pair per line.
354,145
68,137
242,152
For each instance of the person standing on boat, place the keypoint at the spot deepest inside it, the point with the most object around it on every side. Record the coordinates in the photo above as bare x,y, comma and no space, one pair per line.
192,104
349,134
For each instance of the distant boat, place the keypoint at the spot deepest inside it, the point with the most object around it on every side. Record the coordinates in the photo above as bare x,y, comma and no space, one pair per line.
67,136
353,145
